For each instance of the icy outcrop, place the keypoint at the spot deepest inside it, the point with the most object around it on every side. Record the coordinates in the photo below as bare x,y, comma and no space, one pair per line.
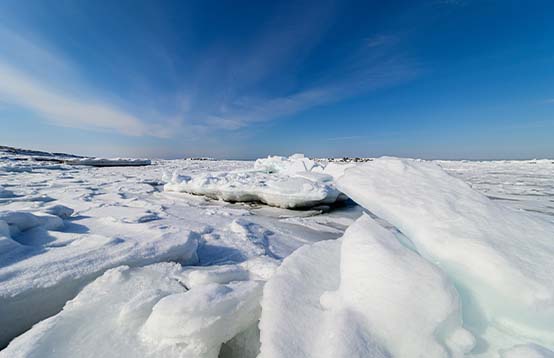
365,295
501,260
150,312
294,182
112,162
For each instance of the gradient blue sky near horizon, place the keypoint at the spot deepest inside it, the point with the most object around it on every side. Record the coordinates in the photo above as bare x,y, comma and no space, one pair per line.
244,79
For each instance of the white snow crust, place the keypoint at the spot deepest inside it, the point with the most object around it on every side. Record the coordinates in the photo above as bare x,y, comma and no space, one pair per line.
430,259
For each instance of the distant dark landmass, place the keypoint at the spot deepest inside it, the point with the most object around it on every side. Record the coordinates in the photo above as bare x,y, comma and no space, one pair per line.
36,153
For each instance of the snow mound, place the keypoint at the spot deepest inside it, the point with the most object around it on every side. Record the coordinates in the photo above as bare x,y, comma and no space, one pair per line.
501,260
42,267
113,162
282,191
148,312
365,295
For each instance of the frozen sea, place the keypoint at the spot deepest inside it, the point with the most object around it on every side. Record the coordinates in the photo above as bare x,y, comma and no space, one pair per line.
135,262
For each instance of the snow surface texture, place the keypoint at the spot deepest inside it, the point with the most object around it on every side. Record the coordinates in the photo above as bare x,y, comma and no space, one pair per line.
500,259
62,228
65,227
293,182
524,184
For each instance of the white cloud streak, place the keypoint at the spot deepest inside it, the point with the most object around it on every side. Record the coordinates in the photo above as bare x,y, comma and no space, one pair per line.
31,77
18,89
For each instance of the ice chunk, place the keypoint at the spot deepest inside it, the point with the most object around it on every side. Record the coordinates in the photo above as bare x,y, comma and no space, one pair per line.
61,211
259,268
19,221
377,299
201,319
144,312
214,274
291,312
37,278
296,163
501,260
272,189
103,320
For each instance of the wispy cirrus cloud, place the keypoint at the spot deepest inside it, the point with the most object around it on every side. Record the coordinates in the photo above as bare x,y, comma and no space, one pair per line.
28,74
226,87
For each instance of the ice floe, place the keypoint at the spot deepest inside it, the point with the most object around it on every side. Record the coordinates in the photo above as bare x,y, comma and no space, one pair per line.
500,259
277,181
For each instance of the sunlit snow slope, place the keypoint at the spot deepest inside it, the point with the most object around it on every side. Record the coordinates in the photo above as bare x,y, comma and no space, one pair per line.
199,258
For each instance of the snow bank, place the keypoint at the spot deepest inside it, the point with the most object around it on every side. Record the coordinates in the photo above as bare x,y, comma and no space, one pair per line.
365,295
294,182
501,260
41,267
113,162
149,312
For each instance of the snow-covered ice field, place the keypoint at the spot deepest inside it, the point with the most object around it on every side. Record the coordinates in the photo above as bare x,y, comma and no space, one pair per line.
200,258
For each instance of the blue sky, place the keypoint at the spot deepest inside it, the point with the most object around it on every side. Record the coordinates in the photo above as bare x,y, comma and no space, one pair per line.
243,79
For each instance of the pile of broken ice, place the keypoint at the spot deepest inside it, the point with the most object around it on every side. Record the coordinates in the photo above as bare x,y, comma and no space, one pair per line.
294,182
463,276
